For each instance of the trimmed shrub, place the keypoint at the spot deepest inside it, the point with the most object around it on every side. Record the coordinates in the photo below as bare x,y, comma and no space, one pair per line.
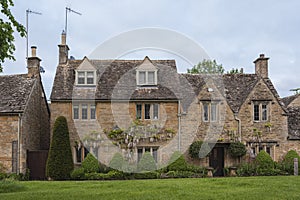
78,174
177,162
90,164
199,149
237,149
288,161
116,162
147,175
60,163
264,160
147,163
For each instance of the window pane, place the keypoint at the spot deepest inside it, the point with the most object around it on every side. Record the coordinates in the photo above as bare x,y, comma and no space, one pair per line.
93,112
213,112
90,78
147,111
264,115
84,112
80,78
142,78
75,112
78,154
155,111
268,150
205,112
140,154
154,154
256,112
139,111
151,79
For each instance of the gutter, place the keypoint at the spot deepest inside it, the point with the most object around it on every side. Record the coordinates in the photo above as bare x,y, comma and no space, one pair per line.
239,126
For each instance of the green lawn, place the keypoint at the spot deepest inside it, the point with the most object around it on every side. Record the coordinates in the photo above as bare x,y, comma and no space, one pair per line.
287,187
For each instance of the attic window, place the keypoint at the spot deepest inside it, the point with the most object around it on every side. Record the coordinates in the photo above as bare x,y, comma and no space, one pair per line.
85,77
146,77
260,111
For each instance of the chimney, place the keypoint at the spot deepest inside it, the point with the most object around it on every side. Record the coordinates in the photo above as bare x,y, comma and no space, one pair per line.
261,66
63,49
33,64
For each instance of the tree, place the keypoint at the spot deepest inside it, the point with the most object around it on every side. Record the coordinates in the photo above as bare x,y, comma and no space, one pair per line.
60,163
207,67
90,164
147,163
7,29
236,71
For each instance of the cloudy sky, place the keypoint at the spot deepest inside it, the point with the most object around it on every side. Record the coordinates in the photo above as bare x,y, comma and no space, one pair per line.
233,32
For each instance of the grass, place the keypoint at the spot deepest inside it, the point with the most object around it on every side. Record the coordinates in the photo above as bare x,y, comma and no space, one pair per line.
285,187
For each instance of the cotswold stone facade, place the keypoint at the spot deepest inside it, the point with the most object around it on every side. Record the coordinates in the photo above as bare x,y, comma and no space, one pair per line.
135,106
24,117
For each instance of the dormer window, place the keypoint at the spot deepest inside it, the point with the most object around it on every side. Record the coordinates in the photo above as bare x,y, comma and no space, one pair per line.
85,77
146,77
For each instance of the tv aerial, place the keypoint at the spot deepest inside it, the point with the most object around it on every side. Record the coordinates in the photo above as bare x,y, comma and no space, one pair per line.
68,10
28,11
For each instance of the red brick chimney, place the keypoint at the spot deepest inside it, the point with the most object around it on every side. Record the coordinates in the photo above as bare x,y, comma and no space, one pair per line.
63,50
33,64
261,66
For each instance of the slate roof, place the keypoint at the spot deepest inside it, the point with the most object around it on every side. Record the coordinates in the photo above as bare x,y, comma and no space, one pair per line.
116,80
238,88
294,123
14,92
289,99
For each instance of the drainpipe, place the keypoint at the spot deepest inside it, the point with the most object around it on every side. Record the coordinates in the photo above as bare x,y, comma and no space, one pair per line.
179,125
19,143
239,126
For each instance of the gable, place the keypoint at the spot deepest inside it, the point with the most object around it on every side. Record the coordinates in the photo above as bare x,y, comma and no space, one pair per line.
146,65
86,65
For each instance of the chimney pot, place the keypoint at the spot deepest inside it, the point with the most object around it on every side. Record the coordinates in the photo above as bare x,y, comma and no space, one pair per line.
262,55
63,38
33,51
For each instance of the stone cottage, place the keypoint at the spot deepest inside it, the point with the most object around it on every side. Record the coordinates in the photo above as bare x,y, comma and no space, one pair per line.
138,106
24,119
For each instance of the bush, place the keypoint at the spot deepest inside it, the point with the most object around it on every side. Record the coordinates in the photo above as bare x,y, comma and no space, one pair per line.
59,163
237,149
288,161
199,149
90,164
78,174
95,176
177,162
264,160
147,175
7,186
117,162
147,163
115,175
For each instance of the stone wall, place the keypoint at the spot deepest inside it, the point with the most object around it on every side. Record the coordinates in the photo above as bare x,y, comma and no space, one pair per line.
35,134
108,116
8,134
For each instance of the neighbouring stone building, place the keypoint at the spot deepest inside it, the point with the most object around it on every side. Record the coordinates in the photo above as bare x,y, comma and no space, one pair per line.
24,118
137,106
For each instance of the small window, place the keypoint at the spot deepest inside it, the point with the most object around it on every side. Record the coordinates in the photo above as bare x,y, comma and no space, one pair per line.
205,112
84,111
264,116
155,111
81,78
90,78
139,111
142,78
147,111
75,112
93,111
256,112
268,150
